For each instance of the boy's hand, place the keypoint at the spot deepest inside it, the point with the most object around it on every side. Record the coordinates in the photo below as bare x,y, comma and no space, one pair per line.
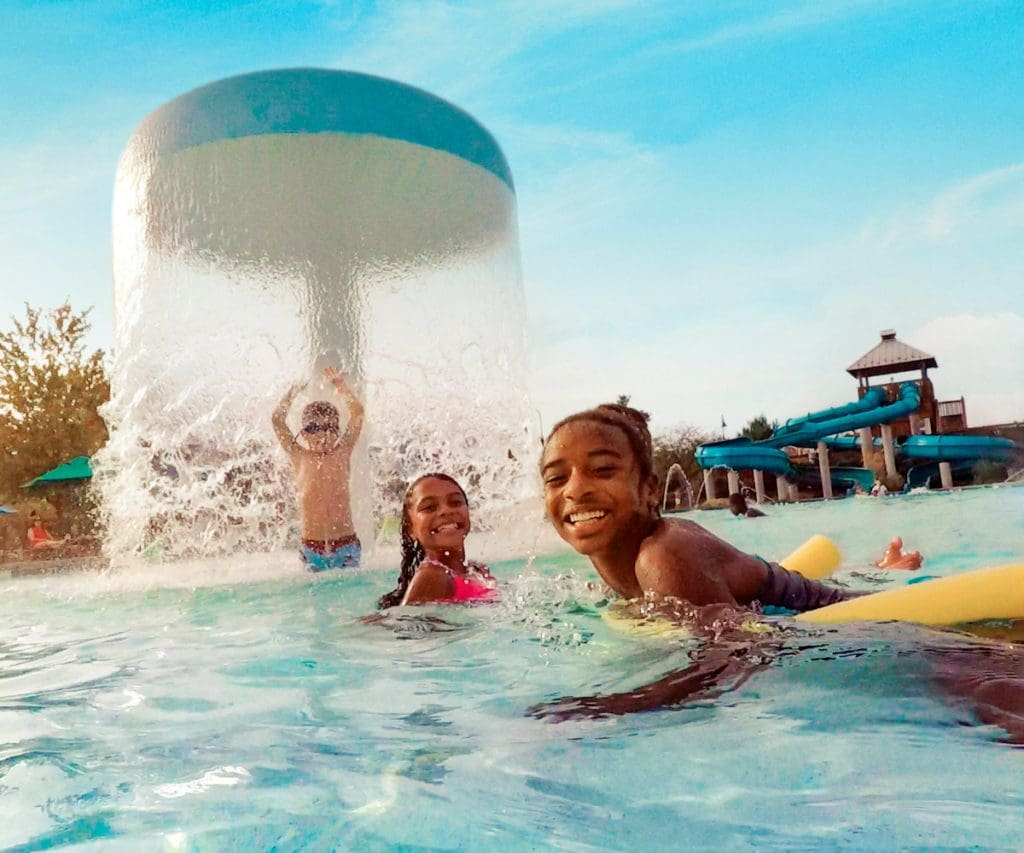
335,377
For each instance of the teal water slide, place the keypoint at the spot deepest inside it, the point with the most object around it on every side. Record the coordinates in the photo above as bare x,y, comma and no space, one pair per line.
962,452
873,408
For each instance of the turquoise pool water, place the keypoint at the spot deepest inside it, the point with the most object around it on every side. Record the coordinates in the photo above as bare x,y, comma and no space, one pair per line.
269,715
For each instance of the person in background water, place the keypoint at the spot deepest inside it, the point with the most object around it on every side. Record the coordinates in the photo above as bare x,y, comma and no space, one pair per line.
435,523
738,505
322,467
879,489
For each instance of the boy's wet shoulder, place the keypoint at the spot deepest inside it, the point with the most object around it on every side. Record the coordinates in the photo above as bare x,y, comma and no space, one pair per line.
680,527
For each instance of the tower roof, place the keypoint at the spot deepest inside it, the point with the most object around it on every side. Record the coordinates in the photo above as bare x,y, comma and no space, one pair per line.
891,356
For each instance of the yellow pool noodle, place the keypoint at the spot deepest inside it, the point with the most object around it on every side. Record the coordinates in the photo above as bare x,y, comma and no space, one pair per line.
817,558
996,593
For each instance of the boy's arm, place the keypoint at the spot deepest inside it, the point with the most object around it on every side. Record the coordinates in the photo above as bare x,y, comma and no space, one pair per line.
783,588
722,665
280,422
355,407
711,571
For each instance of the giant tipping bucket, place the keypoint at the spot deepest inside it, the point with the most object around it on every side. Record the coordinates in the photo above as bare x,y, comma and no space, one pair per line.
268,225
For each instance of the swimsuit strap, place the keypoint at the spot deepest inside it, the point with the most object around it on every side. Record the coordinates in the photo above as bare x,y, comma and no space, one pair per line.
471,566
474,584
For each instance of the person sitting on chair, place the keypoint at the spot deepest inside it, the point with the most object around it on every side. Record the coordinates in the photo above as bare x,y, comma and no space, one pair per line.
38,537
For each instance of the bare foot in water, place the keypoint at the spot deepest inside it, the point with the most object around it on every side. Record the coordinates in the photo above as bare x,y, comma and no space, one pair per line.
894,558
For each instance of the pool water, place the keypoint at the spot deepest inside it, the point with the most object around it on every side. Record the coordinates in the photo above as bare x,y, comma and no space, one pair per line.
185,715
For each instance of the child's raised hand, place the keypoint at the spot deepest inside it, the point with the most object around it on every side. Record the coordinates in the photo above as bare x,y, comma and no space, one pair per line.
334,376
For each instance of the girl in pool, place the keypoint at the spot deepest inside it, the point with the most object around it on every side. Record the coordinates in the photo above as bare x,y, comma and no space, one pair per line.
601,495
435,523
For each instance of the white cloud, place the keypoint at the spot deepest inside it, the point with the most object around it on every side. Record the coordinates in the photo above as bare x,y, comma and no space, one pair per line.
995,195
788,367
774,331
778,22
987,203
52,169
695,373
587,180
470,47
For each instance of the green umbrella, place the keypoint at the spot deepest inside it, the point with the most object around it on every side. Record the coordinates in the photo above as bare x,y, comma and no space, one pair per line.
75,469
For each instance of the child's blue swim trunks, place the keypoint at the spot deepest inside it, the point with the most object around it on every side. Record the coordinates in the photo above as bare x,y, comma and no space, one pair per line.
332,554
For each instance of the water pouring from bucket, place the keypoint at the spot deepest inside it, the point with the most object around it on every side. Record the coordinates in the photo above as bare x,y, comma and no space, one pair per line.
269,225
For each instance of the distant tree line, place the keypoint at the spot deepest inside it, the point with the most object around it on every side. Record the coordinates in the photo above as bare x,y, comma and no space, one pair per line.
51,389
678,446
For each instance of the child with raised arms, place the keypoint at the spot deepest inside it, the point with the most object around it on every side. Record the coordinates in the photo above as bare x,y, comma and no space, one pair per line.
435,523
321,463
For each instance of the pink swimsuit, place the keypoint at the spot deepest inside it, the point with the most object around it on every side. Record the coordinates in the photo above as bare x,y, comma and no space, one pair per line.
471,590
469,587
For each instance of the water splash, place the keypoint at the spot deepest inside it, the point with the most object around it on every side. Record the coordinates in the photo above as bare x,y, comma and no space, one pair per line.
271,224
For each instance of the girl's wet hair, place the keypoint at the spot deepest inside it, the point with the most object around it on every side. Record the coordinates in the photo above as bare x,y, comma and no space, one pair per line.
412,552
632,422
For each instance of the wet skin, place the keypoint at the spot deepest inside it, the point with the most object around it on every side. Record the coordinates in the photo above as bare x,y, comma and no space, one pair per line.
439,520
321,457
596,500
600,503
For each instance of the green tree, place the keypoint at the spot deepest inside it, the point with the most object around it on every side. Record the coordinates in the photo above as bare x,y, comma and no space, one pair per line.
623,400
678,446
758,429
50,391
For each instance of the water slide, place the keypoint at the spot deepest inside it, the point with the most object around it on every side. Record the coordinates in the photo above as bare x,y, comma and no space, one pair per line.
969,448
766,455
742,453
795,430
870,410
962,452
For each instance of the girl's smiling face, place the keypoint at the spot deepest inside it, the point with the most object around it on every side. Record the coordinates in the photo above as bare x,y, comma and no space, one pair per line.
593,488
438,515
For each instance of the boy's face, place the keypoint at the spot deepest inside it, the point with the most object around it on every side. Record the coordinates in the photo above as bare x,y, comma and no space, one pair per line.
592,486
438,515
321,434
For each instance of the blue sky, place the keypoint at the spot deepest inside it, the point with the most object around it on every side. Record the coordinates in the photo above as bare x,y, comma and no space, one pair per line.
721,204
